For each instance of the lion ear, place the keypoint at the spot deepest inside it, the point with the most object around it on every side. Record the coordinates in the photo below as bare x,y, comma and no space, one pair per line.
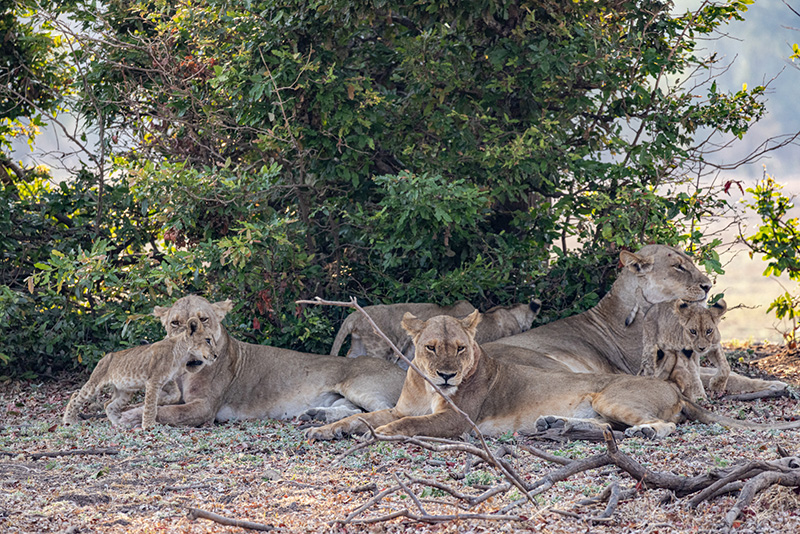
222,307
471,321
635,263
411,324
718,309
681,308
160,311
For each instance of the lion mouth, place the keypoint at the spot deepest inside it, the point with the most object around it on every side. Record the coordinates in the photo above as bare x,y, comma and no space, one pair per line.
194,365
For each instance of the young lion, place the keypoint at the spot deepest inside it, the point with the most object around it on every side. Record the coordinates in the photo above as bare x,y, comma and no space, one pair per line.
151,367
675,335
498,322
502,397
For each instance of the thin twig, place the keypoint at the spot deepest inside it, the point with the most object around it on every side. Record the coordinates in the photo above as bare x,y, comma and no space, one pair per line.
54,454
195,513
488,456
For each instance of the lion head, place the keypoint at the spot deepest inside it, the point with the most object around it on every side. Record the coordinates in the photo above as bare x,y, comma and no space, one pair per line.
175,318
201,345
665,273
446,351
700,331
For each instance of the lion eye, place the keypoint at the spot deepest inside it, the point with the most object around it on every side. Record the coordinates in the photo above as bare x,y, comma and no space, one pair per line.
203,319
461,349
176,323
680,268
693,331
431,348
208,341
708,332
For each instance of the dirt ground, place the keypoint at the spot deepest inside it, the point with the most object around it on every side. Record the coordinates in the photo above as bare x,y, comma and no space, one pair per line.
266,472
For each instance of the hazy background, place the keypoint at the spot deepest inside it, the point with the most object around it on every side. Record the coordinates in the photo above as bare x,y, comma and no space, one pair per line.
758,50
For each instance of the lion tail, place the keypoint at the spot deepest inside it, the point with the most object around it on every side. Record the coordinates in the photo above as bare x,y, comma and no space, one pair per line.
345,330
695,412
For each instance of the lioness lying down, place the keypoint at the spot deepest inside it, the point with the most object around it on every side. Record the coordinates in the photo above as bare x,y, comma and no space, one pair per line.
151,367
502,397
608,337
497,322
256,381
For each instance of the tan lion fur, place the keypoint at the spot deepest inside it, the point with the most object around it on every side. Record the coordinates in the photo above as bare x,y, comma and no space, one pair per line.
504,397
151,367
257,381
676,334
608,338
498,322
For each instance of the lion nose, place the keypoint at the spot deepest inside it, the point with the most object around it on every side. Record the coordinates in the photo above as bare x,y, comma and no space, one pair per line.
706,287
445,376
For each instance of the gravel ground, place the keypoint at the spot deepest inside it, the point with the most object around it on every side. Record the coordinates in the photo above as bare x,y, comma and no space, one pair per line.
266,472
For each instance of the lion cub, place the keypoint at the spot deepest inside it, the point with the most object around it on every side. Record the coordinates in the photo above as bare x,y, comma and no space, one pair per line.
675,335
151,367
496,323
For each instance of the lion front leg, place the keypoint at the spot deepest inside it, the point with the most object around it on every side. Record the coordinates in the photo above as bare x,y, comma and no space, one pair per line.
719,382
444,424
151,395
355,424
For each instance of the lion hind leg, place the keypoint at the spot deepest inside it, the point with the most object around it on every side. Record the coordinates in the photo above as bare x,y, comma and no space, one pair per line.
170,393
79,399
328,414
653,430
119,398
546,422
649,415
739,385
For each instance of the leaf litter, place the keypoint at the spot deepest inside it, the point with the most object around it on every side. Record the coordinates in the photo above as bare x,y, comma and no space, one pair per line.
266,472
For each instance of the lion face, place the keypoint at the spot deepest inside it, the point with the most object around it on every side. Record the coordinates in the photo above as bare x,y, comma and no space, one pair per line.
175,318
202,347
700,331
666,273
446,351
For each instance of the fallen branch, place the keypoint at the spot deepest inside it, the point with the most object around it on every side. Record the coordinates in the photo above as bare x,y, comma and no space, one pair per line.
53,454
196,513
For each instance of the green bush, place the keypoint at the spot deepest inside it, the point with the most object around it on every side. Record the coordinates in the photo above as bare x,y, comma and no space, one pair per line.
268,152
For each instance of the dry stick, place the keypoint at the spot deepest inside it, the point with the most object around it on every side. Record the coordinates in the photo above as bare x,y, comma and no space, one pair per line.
756,484
195,513
435,518
613,501
489,457
372,501
410,494
787,465
53,454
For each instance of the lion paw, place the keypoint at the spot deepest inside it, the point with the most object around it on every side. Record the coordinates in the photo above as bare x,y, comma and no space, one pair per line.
641,431
546,422
325,433
328,414
129,419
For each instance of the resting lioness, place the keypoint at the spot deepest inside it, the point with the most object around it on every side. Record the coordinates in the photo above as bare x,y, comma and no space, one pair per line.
676,334
608,337
504,397
256,381
497,322
147,366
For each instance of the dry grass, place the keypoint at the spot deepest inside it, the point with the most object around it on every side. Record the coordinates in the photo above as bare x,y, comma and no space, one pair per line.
266,472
